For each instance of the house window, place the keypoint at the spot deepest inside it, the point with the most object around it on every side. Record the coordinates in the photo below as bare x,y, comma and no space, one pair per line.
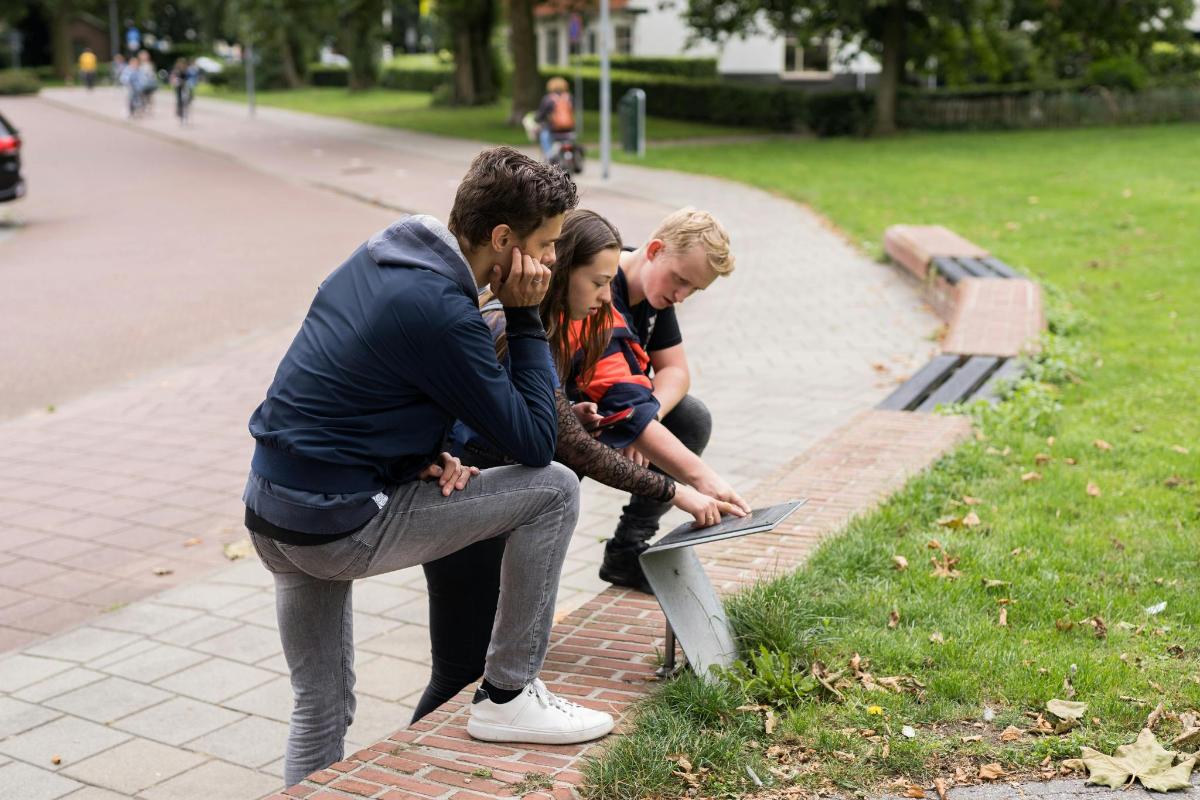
813,57
551,55
624,36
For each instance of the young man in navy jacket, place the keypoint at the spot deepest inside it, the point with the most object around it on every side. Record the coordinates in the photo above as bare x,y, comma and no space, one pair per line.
349,478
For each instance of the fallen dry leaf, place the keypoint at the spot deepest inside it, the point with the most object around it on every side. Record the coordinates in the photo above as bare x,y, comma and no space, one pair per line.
972,738
1093,490
1070,462
939,785
769,722
1029,477
1145,760
192,542
971,520
1003,618
160,571
1154,716
937,638
893,618
971,501
56,760
1011,734
933,544
900,562
944,568
991,772
1100,444
1042,458
1049,441
239,549
989,583
1178,448
914,791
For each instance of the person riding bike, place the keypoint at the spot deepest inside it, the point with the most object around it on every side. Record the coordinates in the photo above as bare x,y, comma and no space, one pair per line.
555,115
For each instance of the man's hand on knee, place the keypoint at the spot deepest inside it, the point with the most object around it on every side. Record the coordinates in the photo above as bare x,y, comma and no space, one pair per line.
450,473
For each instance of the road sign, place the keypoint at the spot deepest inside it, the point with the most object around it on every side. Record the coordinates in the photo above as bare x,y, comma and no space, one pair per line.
575,29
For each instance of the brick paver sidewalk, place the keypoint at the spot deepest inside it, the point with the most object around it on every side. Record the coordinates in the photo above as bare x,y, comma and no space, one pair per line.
186,689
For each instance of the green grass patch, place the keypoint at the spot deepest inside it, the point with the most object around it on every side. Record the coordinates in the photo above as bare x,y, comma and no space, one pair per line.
415,111
1106,219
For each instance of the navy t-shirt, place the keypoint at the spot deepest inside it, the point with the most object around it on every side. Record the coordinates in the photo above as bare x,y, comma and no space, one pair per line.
656,330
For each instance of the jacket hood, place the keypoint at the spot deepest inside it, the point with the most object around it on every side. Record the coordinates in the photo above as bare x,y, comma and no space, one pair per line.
422,241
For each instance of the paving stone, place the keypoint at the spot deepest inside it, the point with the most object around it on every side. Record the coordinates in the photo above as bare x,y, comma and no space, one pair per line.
215,680
59,684
70,738
368,626
94,793
82,644
18,671
196,630
206,596
177,721
30,783
135,765
146,618
157,662
272,700
108,700
410,642
251,742
390,678
246,572
17,716
123,653
374,597
248,605
236,783
375,719
246,643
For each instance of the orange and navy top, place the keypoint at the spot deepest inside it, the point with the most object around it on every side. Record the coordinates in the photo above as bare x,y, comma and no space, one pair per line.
620,380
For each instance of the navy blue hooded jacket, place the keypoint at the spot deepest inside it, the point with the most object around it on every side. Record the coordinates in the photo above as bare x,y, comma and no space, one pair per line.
391,353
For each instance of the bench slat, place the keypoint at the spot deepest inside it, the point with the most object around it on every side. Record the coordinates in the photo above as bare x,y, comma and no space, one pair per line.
926,379
975,267
949,269
999,267
962,383
1009,371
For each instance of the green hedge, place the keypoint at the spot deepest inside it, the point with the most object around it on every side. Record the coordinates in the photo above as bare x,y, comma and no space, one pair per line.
679,67
841,113
407,78
716,101
328,75
19,81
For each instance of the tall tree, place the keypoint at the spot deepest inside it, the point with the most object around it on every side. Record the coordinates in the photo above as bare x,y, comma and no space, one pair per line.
468,25
360,35
522,47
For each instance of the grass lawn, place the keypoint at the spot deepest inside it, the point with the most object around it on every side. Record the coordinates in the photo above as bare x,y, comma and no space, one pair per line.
1107,218
413,111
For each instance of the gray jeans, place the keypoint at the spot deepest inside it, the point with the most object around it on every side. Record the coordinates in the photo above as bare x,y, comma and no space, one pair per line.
537,507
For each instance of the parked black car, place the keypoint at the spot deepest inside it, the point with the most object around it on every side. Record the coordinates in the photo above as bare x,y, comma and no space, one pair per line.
11,184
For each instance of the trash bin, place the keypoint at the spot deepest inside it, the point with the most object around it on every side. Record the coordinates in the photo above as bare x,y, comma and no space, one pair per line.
631,113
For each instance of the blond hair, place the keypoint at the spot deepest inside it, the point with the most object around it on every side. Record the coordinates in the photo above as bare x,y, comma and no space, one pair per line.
557,84
688,227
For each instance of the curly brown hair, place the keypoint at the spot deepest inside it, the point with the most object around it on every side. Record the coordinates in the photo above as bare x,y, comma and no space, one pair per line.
585,234
506,187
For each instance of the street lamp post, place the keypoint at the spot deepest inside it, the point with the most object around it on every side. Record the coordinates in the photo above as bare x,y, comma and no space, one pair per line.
114,37
605,94
248,56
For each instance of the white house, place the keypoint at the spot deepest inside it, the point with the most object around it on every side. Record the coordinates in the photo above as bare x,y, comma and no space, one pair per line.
657,28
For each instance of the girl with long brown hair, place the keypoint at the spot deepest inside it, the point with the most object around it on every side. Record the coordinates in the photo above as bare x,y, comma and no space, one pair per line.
578,316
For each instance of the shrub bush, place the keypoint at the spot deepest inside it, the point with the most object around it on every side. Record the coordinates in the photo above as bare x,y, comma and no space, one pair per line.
716,101
19,81
414,78
328,75
1121,72
841,113
678,67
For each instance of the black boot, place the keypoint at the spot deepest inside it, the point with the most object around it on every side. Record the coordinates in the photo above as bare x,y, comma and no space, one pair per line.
621,566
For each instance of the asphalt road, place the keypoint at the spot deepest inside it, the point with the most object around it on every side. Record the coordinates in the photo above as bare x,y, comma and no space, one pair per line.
134,253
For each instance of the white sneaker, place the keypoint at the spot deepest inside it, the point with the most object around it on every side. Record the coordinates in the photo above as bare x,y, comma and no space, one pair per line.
536,715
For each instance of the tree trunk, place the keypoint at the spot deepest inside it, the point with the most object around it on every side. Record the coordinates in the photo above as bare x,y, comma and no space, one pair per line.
287,58
475,80
522,45
361,28
893,65
64,59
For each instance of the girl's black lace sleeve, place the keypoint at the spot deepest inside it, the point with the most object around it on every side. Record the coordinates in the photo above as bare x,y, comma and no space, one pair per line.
579,451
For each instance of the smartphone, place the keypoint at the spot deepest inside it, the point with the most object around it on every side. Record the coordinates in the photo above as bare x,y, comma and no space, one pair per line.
613,419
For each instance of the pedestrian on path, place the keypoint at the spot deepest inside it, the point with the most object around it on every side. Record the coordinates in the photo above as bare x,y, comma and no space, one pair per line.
183,81
87,68
688,251
347,480
464,587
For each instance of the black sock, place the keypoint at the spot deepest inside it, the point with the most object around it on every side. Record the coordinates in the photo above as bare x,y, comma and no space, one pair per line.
498,695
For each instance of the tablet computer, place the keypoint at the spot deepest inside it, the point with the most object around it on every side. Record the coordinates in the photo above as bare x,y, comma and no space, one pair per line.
757,521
